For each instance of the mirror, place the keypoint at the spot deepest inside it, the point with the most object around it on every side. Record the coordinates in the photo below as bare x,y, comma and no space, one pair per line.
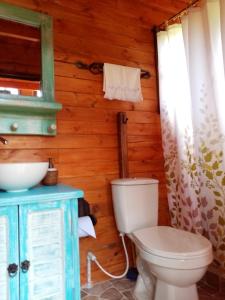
20,59
27,104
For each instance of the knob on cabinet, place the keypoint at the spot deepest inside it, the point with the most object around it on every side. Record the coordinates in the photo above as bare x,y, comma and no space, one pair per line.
52,128
12,270
25,265
14,126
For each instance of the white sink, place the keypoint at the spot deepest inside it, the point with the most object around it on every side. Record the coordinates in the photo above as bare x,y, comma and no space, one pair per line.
18,177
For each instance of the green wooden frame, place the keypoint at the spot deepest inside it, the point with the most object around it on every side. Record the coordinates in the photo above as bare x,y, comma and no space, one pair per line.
24,114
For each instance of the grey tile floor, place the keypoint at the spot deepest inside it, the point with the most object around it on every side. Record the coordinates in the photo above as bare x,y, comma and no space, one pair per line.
115,289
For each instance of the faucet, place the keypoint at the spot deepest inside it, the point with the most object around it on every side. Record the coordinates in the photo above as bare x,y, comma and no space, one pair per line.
3,140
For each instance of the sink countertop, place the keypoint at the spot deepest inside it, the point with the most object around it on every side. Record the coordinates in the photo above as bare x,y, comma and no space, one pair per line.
40,193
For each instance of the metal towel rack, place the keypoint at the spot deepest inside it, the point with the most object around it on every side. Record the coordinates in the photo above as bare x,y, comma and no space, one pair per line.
97,68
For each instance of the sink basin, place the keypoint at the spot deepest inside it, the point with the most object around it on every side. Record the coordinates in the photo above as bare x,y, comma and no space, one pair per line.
18,177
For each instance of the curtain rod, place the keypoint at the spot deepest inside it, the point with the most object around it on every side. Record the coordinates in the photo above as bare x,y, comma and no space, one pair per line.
179,14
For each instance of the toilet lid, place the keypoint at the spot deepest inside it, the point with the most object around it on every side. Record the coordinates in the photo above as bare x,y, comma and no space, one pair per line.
170,242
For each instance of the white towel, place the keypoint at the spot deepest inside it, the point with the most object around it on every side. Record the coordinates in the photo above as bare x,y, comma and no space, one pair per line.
122,83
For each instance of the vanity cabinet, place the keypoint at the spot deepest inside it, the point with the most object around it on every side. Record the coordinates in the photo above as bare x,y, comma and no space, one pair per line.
39,257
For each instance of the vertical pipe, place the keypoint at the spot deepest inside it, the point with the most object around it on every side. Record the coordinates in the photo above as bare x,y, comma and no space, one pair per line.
123,158
89,282
122,139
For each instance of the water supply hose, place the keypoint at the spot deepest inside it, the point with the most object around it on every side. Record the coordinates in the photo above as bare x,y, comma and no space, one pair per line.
93,258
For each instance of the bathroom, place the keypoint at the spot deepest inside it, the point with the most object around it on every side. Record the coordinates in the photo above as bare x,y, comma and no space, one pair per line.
85,148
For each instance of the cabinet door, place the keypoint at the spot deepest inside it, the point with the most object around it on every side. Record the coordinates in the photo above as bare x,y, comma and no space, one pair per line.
9,283
46,243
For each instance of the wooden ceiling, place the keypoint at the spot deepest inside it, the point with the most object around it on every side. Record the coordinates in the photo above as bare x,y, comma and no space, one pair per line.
167,6
148,13
152,12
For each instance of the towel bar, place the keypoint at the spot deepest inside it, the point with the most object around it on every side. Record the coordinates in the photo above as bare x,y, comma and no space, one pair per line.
97,68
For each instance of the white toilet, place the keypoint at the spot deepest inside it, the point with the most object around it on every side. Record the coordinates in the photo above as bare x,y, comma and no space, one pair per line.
170,261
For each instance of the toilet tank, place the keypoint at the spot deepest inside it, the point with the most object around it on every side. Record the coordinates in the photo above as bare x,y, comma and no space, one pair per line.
135,202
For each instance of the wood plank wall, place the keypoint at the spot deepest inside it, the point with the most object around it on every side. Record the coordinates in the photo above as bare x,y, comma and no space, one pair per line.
86,149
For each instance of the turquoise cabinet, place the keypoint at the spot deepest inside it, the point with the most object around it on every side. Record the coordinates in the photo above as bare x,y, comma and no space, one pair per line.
9,255
39,257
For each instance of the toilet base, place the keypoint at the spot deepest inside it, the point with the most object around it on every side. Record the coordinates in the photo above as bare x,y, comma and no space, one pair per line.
141,292
166,291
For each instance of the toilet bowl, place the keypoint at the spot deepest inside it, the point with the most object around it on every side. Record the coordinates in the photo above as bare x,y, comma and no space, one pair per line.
175,258
170,261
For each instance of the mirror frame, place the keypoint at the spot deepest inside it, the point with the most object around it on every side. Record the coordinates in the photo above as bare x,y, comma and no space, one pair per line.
17,112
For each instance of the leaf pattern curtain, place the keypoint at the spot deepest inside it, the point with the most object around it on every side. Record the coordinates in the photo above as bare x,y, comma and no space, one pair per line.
192,103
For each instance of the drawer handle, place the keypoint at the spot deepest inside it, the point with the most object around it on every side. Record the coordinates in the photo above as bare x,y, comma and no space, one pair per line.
12,270
25,265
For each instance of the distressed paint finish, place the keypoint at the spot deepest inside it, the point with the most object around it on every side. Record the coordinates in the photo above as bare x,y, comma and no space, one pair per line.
75,249
48,239
21,109
44,233
40,194
9,286
4,246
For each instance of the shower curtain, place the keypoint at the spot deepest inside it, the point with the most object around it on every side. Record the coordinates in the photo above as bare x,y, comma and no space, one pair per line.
192,104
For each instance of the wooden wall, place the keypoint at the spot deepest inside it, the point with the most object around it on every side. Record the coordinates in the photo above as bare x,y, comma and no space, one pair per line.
86,149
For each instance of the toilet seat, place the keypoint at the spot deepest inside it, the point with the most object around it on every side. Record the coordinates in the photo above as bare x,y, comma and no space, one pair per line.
173,247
